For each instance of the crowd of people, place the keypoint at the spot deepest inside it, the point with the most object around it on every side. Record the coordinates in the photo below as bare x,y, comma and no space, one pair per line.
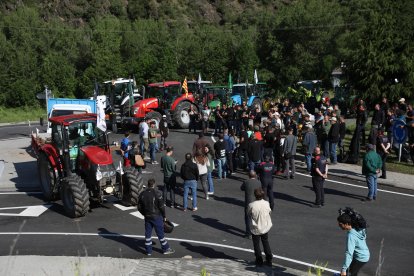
265,145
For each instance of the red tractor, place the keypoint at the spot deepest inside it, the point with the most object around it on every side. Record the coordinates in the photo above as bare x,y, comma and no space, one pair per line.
76,164
165,98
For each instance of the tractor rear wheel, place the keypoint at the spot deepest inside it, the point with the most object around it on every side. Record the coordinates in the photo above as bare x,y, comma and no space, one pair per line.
132,185
181,115
75,196
48,178
155,117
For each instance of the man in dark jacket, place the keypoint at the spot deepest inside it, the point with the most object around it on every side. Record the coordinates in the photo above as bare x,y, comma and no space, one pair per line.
319,174
289,152
189,173
248,187
361,120
333,138
164,131
266,170
254,151
151,206
378,117
220,150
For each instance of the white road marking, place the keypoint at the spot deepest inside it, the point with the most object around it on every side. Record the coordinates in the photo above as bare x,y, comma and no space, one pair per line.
21,193
212,138
125,208
358,186
29,211
171,239
137,214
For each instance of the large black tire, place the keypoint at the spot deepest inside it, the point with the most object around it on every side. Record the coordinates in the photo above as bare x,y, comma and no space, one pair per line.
75,196
132,185
47,177
180,116
257,103
156,117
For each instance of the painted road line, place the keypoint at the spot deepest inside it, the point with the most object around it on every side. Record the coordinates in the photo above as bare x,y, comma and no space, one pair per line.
125,208
21,193
1,167
170,239
29,211
358,186
137,214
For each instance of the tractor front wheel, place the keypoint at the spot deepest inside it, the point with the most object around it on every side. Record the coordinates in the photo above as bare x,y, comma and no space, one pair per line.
47,177
75,196
181,114
132,185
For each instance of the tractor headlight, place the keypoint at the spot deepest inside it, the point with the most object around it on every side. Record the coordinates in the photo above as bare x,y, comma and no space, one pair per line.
108,173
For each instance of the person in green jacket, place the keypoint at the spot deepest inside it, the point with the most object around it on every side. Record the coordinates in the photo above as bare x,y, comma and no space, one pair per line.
168,165
371,167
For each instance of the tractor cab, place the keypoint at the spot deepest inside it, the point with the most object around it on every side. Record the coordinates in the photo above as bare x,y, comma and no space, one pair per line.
78,140
216,96
166,92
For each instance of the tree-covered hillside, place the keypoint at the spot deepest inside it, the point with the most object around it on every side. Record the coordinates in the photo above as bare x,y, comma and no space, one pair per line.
67,45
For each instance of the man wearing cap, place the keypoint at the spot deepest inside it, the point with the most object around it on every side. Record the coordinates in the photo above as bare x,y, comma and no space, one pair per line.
164,131
371,167
333,138
309,143
402,105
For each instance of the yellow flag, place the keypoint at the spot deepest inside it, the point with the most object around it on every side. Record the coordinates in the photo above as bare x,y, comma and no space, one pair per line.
185,87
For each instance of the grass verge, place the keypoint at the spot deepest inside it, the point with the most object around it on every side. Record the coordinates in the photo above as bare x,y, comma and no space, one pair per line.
21,114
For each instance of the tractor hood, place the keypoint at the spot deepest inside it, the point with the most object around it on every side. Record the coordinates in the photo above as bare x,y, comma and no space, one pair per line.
97,155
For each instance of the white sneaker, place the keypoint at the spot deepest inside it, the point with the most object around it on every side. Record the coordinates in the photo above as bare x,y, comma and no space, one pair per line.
207,198
146,157
210,193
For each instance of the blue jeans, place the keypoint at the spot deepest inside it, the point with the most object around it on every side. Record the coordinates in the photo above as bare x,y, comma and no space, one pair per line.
372,186
253,165
332,150
308,159
190,184
222,168
158,224
152,148
210,182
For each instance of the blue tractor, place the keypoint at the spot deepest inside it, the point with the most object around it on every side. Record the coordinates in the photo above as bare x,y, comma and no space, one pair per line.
248,93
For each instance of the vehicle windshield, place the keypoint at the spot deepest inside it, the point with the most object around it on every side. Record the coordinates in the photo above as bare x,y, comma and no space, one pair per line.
119,90
86,134
166,94
240,90
56,112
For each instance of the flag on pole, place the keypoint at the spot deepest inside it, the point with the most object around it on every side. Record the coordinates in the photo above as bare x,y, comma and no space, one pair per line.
101,124
256,79
96,90
185,87
199,79
230,82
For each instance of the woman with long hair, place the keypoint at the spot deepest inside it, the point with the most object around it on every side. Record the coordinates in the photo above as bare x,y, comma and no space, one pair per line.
202,161
357,252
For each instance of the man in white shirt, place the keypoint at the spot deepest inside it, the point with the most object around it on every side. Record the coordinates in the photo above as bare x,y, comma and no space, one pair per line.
143,138
261,222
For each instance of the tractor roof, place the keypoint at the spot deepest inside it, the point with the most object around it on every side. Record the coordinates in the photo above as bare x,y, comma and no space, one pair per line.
164,84
66,120
120,80
203,81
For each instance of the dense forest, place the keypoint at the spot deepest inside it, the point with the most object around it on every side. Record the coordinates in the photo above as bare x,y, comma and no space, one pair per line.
67,45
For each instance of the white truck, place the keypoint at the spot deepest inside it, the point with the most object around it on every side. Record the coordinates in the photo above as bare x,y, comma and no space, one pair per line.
63,106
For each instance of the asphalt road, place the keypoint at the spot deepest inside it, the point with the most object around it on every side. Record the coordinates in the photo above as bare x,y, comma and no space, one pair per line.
216,230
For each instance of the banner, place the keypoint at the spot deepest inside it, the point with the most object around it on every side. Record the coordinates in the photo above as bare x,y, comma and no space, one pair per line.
101,123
